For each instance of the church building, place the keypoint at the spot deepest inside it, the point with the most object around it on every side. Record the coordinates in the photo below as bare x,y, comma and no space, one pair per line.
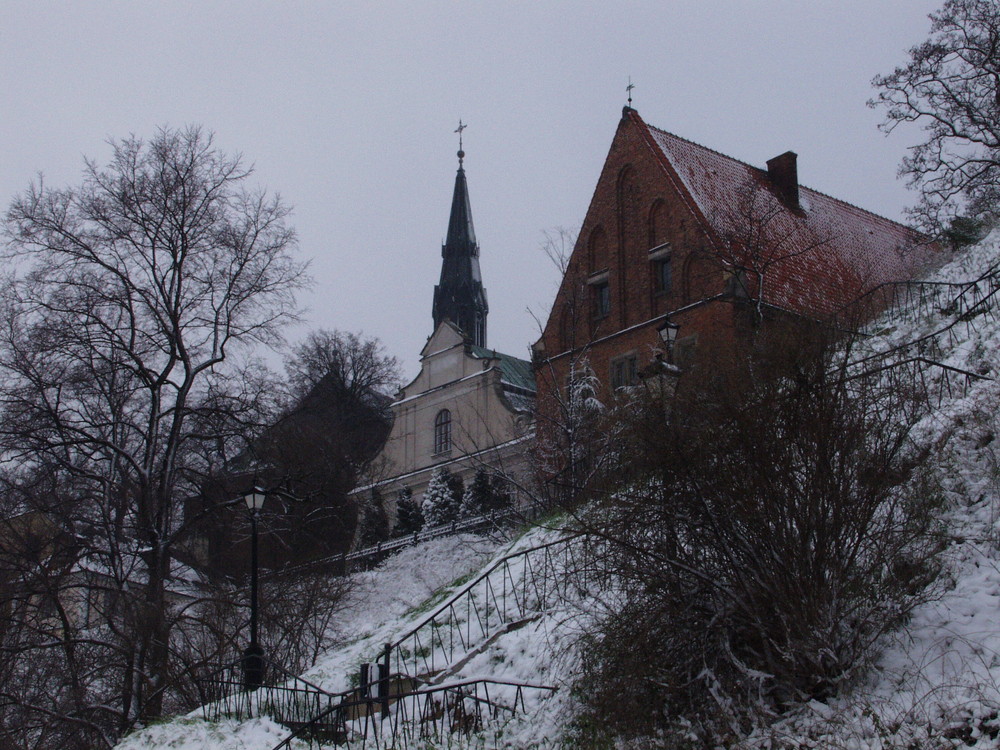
470,408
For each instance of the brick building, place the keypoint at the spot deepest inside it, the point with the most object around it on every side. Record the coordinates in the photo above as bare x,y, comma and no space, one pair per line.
677,232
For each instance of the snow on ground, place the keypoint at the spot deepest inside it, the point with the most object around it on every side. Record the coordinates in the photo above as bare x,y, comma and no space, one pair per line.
398,595
375,612
390,598
935,684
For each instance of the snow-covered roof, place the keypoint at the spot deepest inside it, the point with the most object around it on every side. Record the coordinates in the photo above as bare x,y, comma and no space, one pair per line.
859,248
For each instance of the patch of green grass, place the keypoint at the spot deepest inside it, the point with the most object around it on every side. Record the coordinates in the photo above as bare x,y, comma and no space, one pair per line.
441,594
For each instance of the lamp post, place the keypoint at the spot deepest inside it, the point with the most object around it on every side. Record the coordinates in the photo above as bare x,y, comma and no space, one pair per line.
668,335
253,656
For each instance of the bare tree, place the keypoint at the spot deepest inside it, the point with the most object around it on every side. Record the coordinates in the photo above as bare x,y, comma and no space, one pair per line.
951,86
336,419
758,236
119,386
357,367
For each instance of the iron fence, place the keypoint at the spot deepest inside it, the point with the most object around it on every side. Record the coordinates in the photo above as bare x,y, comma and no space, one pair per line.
285,697
427,715
509,594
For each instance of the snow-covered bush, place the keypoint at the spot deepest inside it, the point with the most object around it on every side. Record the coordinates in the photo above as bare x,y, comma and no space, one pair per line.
442,498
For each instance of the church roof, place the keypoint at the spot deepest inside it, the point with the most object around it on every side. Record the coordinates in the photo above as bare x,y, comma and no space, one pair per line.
514,372
858,247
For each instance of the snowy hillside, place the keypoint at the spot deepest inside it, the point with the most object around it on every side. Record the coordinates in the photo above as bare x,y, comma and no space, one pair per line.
395,597
935,684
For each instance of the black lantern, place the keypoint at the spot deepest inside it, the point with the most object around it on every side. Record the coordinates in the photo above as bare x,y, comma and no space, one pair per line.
668,335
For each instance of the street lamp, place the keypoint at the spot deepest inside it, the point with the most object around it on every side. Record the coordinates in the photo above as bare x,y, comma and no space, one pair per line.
253,656
668,335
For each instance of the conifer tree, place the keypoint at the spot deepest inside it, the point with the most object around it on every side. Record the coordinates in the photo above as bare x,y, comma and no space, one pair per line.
477,497
441,501
373,520
409,516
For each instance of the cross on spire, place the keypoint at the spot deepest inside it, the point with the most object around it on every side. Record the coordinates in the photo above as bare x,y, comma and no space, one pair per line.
628,90
461,153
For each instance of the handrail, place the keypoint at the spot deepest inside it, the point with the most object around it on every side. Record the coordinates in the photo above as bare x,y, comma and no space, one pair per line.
340,715
268,664
914,360
226,695
889,289
506,597
471,584
964,315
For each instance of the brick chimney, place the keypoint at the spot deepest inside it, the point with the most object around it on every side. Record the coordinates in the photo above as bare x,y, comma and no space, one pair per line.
784,173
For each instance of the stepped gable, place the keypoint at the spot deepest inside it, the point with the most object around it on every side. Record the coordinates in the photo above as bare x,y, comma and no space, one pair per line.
860,249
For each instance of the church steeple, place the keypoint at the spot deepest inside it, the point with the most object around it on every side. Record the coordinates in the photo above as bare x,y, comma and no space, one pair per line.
460,296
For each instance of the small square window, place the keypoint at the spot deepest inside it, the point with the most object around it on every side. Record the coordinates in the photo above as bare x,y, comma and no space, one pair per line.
624,371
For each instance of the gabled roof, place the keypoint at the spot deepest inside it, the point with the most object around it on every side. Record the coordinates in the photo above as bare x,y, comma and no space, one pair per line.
859,246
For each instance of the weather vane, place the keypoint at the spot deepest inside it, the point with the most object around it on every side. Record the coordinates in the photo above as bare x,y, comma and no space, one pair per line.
461,153
628,90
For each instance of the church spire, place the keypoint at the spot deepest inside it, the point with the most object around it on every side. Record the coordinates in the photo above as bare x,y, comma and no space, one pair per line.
460,296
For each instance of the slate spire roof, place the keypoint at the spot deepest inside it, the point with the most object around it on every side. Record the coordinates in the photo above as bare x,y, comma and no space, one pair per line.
459,295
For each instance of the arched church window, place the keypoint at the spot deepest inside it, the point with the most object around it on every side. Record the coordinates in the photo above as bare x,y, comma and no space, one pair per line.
442,431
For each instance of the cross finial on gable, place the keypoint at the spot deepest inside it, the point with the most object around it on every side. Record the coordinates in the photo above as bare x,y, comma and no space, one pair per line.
628,90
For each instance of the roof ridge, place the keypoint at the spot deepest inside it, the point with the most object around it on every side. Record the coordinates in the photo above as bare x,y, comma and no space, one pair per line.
487,350
764,172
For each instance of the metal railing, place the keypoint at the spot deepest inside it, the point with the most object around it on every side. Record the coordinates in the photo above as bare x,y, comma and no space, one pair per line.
909,368
430,714
920,378
343,563
508,594
965,300
285,697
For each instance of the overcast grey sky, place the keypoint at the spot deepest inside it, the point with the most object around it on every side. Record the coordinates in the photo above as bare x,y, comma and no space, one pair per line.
348,110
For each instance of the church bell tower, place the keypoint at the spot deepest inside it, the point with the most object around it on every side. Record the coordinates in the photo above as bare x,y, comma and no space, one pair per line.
459,296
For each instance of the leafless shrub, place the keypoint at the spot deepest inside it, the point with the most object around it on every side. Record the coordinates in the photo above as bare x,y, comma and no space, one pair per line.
769,527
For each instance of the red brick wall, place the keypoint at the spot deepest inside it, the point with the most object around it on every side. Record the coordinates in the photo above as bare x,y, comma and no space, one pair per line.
634,208
637,205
